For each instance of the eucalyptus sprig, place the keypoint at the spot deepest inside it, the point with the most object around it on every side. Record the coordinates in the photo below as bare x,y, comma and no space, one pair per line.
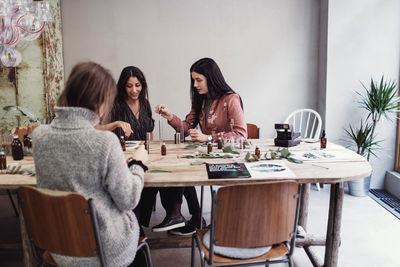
280,153
229,149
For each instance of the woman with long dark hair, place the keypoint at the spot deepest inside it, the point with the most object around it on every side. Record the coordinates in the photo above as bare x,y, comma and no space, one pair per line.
219,112
132,105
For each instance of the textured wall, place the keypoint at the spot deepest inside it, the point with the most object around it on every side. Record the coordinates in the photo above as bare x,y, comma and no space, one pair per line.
37,81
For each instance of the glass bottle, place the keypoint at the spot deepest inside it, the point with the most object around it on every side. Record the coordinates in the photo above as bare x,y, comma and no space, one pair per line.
27,141
209,147
163,150
16,148
257,152
123,143
323,139
219,143
3,161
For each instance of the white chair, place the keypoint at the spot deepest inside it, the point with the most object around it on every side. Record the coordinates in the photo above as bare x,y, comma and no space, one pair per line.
306,121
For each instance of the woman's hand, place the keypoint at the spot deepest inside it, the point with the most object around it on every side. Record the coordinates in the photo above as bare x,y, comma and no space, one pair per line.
126,127
164,112
197,135
139,154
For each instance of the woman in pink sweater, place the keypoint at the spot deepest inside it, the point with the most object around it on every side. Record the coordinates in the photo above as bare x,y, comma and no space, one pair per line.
219,112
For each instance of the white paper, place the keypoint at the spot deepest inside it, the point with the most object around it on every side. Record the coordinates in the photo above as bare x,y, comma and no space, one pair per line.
269,169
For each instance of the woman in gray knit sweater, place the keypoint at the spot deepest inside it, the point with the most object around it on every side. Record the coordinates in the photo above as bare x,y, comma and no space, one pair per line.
71,155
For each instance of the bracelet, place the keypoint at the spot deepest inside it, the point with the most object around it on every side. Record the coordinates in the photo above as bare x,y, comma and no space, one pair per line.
137,162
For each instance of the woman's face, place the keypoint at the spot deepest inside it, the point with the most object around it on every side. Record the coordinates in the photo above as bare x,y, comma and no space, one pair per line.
200,83
133,88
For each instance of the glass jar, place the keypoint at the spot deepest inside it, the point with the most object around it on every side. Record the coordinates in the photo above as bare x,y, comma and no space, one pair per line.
16,148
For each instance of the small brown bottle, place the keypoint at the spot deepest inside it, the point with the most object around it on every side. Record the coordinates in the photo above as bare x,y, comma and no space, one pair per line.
257,152
3,161
123,143
323,140
27,141
209,147
16,149
219,143
163,150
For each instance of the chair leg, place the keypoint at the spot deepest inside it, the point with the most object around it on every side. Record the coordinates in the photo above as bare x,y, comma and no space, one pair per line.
145,247
193,251
12,203
290,262
318,186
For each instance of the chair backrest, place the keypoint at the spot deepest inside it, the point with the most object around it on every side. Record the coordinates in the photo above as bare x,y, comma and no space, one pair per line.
306,121
253,132
257,214
61,222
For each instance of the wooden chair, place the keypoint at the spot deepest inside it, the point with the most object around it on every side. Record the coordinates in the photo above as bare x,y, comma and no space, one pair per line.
253,132
306,121
248,216
64,223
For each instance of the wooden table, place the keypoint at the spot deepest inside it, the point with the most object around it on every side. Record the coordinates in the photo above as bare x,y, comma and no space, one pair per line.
182,173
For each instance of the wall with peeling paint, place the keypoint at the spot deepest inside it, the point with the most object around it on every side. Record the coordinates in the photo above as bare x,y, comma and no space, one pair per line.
38,80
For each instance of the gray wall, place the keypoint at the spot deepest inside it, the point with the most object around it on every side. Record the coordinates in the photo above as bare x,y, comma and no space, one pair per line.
278,55
267,50
363,42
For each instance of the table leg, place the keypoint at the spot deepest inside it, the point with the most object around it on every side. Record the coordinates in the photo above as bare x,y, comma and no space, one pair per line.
334,224
303,216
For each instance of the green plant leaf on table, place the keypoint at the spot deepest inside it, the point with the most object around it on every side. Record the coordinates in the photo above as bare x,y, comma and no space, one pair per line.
158,171
192,146
228,149
197,163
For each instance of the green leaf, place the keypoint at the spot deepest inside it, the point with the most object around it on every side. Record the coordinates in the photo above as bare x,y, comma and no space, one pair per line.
247,157
21,111
228,149
284,153
197,163
157,171
187,156
255,157
294,160
192,146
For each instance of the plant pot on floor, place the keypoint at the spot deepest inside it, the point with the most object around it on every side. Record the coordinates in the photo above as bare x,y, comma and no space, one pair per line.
360,187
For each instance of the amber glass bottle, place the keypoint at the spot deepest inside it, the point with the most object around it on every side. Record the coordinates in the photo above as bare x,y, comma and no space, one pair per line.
257,152
3,161
163,149
27,141
16,149
219,143
323,139
123,143
209,147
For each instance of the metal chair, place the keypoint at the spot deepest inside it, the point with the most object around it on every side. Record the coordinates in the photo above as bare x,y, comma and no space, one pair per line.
306,121
64,223
248,216
253,132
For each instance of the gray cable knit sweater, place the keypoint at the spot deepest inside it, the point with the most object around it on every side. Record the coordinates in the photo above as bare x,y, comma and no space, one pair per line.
71,155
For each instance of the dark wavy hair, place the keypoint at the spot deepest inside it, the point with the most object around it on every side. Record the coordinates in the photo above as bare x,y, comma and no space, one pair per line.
216,84
126,73
89,86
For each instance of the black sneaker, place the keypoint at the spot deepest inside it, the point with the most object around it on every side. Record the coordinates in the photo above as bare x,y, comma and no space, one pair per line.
169,223
188,229
196,223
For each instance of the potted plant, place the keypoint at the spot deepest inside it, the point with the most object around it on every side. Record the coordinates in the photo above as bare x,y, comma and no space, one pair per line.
379,99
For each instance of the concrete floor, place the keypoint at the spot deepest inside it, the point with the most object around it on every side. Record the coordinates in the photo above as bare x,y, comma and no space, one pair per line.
370,234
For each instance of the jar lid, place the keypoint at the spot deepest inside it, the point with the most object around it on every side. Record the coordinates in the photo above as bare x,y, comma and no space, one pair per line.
2,153
15,136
